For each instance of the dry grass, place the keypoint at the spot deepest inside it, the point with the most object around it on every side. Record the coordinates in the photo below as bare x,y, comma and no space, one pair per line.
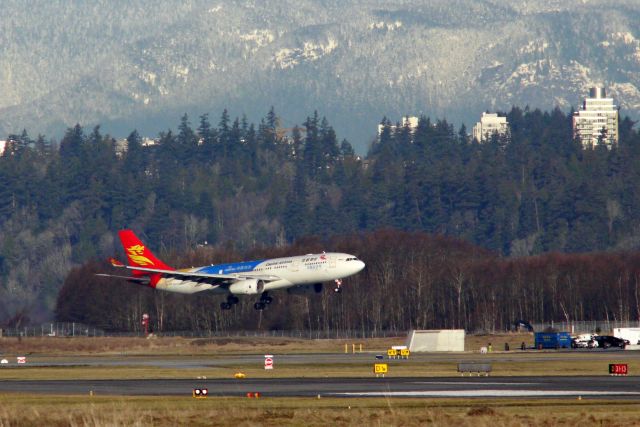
127,352
182,346
225,345
19,410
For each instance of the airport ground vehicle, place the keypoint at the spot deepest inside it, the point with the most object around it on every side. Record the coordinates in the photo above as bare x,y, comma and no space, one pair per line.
552,340
584,341
606,341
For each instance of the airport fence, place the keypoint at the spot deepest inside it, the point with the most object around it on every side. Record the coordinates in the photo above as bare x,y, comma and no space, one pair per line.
81,330
59,329
311,334
71,329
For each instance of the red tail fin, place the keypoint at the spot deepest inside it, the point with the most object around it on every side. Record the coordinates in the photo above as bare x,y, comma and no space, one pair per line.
138,254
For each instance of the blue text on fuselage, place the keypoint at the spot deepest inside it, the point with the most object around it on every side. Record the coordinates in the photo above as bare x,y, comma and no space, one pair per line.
236,267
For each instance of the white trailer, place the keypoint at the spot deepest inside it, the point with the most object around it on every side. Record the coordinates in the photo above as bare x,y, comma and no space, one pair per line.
630,334
436,340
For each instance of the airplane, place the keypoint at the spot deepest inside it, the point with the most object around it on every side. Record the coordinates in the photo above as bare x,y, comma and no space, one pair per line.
299,275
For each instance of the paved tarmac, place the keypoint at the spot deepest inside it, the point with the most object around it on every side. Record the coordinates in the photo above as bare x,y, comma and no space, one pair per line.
492,387
601,386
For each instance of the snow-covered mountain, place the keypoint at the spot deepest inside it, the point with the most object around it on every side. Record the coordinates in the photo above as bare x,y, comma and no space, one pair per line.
142,63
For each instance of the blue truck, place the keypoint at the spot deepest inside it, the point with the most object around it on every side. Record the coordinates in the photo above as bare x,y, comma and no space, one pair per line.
552,340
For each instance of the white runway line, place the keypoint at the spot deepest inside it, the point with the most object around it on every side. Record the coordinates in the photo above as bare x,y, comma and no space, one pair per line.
491,393
470,383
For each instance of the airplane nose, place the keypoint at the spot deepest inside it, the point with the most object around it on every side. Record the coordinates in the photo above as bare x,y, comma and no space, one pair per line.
359,266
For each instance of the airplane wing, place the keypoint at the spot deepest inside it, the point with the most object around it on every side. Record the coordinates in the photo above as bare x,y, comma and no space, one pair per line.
205,277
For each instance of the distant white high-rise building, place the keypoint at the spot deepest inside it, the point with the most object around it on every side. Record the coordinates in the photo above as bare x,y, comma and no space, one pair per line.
597,120
490,124
410,121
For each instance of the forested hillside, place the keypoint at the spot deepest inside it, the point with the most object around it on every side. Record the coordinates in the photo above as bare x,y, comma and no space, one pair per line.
235,185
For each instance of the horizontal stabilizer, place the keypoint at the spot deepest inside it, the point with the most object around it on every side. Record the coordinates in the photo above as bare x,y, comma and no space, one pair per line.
114,262
140,280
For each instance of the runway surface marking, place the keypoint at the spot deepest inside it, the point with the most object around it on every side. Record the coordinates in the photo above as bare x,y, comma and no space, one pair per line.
473,383
489,393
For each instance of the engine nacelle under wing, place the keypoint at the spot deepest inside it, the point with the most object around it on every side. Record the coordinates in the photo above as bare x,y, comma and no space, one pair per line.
247,287
316,288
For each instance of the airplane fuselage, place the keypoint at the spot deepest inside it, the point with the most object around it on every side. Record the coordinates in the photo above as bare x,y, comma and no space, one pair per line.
301,275
287,272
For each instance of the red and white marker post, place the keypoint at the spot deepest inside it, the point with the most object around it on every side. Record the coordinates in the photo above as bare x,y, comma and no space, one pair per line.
145,323
268,361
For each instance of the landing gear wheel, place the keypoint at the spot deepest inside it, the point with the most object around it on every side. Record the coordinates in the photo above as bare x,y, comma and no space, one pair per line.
265,299
259,306
338,287
225,306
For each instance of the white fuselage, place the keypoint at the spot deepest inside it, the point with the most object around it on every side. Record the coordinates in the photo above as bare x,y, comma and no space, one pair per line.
276,273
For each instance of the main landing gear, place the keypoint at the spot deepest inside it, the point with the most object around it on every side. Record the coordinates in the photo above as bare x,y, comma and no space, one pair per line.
338,287
265,300
231,301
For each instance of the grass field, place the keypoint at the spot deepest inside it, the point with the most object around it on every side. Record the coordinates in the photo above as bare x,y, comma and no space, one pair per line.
20,410
233,345
129,352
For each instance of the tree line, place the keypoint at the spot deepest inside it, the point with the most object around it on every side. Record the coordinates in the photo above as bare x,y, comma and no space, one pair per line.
412,280
244,185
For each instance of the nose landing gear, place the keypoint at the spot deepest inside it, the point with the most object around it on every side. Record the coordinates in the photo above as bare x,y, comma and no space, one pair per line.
338,287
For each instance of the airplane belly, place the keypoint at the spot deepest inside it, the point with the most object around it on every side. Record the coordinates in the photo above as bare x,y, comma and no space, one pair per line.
330,274
307,277
299,277
277,284
184,286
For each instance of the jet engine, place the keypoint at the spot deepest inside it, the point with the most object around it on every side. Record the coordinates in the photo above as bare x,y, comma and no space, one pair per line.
247,287
316,288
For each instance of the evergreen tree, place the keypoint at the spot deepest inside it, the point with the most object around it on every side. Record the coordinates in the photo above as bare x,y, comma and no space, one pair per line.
346,150
296,214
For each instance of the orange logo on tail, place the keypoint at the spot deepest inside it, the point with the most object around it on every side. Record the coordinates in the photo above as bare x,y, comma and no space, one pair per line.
135,254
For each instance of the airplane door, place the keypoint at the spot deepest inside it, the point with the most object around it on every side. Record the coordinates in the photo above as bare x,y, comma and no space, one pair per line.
295,265
332,261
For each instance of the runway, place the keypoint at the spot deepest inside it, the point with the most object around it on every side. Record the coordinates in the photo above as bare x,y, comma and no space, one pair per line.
462,387
592,386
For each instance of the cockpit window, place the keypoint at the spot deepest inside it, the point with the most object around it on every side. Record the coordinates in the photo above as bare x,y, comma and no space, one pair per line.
352,259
